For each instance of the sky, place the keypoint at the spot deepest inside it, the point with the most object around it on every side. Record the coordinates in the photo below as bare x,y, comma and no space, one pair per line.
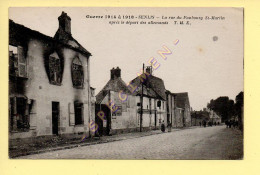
207,62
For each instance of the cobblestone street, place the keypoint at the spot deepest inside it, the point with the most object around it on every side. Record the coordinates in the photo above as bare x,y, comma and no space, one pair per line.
215,142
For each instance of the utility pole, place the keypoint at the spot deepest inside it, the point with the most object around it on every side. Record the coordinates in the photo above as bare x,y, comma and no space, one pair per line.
141,113
175,108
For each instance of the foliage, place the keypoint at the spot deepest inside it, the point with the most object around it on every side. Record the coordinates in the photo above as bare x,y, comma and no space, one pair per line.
223,106
226,107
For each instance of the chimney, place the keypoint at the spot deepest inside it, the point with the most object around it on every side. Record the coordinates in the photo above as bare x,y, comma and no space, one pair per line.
64,22
148,70
115,73
112,72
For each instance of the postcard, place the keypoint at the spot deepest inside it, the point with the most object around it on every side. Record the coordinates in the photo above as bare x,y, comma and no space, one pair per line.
126,83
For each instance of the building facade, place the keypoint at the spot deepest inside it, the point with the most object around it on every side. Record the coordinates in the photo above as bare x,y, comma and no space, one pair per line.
121,104
178,109
49,90
142,104
154,100
116,107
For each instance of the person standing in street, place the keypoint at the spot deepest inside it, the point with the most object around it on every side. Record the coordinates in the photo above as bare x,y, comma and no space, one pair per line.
204,123
163,127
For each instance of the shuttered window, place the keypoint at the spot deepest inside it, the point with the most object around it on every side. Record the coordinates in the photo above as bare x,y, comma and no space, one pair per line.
22,63
18,62
19,114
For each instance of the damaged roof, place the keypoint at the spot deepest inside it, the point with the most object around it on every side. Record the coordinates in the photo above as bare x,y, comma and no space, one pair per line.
68,40
20,34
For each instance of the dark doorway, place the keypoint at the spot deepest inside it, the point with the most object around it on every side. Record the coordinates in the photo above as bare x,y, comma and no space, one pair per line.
55,117
78,107
104,125
98,120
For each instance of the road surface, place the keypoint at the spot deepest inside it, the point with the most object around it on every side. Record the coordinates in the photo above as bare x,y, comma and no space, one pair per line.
215,142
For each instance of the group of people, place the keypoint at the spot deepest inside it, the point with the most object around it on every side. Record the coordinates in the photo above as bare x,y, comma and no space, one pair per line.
231,124
209,123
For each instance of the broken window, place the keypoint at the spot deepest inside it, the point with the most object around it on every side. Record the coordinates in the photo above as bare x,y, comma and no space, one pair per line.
19,114
17,62
55,69
78,108
77,73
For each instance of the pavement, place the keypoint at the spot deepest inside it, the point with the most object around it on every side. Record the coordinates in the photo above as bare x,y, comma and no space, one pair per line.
58,143
217,143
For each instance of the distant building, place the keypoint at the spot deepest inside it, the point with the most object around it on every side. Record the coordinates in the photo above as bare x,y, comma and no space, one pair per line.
49,90
197,117
206,114
182,110
214,117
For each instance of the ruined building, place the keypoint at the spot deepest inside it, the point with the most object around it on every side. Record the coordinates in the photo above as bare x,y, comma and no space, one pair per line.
49,90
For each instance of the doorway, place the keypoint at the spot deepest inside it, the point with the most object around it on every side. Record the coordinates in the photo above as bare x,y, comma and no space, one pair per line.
104,126
55,117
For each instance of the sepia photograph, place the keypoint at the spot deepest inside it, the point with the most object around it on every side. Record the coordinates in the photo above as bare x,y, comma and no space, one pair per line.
127,83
